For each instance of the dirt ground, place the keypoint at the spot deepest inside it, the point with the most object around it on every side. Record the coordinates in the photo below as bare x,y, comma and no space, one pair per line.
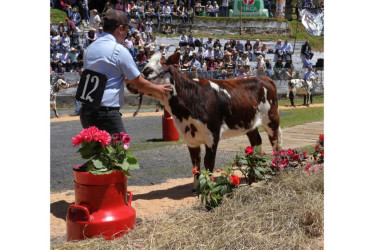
149,201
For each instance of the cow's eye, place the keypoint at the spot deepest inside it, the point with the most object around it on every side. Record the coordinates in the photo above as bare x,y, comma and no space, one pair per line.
147,71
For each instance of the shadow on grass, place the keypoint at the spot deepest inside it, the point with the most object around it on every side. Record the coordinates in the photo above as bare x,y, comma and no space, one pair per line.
175,193
155,140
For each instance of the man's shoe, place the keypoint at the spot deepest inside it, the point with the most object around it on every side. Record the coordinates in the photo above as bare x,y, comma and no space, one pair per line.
74,114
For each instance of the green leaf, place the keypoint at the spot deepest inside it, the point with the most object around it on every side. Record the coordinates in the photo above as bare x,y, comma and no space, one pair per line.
98,164
258,174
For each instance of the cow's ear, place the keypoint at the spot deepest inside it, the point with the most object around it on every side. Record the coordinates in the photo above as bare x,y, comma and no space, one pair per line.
173,59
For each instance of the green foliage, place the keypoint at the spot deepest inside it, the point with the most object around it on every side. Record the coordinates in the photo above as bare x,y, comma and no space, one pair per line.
212,190
292,117
57,16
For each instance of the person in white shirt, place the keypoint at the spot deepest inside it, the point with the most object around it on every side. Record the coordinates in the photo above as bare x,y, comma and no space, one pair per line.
166,12
65,41
278,48
209,8
99,32
64,56
215,9
183,39
148,31
208,53
287,51
94,19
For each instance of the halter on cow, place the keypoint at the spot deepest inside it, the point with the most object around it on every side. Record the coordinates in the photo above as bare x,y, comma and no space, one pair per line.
206,110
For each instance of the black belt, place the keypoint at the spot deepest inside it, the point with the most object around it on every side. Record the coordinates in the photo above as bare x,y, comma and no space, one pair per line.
102,108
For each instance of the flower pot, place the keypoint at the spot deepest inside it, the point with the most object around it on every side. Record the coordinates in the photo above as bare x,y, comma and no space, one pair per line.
101,207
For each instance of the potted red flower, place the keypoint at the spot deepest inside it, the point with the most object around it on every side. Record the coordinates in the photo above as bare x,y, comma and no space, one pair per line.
101,203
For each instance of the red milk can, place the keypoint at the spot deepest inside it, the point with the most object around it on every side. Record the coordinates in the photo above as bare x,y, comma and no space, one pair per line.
101,207
169,132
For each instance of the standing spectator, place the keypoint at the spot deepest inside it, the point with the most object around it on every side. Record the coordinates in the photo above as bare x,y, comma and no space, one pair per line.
55,42
65,41
225,8
279,69
70,25
166,12
94,19
119,5
83,8
287,50
297,7
267,4
183,39
307,50
278,49
91,36
76,17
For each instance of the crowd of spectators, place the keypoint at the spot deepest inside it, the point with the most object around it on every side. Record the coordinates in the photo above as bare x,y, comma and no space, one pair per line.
234,55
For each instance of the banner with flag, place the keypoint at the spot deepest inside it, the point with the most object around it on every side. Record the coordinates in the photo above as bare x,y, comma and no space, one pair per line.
313,21
249,8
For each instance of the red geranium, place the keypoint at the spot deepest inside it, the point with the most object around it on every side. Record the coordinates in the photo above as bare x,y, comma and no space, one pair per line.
295,157
235,179
194,171
249,150
212,178
321,137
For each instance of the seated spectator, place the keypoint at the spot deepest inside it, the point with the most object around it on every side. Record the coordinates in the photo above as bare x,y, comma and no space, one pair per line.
321,5
309,74
166,12
307,50
73,63
158,12
76,17
217,43
209,8
65,42
191,41
227,45
187,53
194,63
220,64
307,62
119,5
217,53
91,36
55,42
141,59
261,66
215,9
141,12
55,58
233,43
107,7
140,26
287,50
162,49
64,59
99,32
209,43
183,12
248,46
61,29
148,30
208,53
139,41
198,8
200,53
133,10
149,11
289,69
235,55
256,48
129,44
227,60
268,68
241,72
60,71
264,50
211,64
190,14
153,42
225,8
66,7
239,47
278,49
243,60
74,41
279,69
186,64
183,39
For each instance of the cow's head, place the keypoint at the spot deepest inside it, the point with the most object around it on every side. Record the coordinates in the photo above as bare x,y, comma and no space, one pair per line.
62,84
157,70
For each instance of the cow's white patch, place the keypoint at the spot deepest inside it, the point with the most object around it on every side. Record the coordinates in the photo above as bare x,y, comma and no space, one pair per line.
226,132
218,89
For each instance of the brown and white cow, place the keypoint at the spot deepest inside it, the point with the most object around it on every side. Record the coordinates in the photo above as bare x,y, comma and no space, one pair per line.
205,110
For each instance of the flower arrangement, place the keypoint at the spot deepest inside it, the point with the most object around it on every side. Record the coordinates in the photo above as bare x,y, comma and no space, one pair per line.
253,164
319,152
288,159
213,189
105,153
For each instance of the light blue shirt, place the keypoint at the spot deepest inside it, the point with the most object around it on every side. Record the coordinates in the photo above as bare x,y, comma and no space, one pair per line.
108,57
308,75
